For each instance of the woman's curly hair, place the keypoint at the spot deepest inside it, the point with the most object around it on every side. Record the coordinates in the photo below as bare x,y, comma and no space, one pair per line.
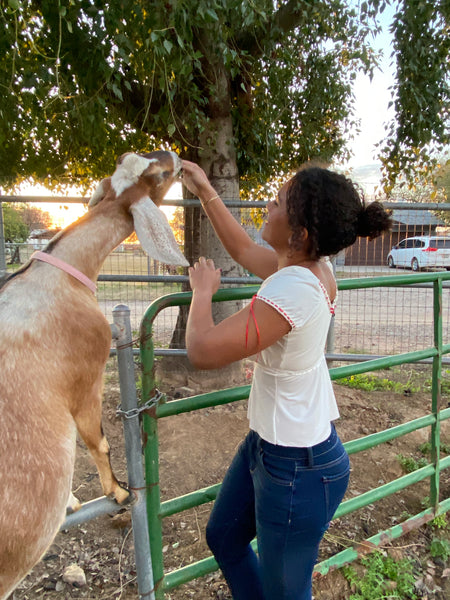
329,207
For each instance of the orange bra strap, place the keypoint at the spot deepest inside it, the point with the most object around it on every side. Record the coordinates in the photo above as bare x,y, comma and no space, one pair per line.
252,313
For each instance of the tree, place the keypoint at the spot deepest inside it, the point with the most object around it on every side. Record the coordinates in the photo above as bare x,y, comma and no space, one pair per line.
432,187
18,221
15,229
82,83
443,179
249,90
177,224
421,96
34,218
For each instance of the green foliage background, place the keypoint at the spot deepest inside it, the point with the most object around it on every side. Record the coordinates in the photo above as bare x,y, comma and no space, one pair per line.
84,80
19,220
15,229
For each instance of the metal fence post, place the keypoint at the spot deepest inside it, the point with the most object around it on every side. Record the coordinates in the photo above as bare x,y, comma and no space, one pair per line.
151,454
330,335
436,393
133,448
2,244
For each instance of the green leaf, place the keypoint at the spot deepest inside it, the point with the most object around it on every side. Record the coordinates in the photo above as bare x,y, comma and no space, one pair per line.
168,46
171,129
212,14
117,91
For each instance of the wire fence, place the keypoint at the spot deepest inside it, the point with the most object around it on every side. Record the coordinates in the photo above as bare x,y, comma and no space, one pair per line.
373,322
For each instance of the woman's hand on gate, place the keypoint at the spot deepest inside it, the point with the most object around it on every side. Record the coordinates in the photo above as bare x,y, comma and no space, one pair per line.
204,277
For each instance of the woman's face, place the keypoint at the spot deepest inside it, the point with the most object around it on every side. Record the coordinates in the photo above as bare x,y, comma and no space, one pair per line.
276,230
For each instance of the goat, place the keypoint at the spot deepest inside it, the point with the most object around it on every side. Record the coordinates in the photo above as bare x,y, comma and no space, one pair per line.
54,343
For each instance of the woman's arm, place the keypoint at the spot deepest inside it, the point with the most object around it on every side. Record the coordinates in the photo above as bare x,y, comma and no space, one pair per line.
245,333
258,260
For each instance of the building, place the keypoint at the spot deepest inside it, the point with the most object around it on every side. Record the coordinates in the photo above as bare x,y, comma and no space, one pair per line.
39,238
405,223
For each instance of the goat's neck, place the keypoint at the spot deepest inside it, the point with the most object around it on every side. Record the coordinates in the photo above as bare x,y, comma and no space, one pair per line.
86,245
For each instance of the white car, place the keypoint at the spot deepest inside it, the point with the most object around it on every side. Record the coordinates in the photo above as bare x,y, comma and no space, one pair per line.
421,252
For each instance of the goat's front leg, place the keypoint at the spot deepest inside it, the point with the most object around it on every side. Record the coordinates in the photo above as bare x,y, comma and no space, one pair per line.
88,417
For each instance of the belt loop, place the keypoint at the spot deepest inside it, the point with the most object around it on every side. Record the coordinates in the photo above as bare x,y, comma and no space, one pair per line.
310,457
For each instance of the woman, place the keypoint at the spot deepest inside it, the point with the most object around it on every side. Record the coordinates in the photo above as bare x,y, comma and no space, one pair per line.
291,471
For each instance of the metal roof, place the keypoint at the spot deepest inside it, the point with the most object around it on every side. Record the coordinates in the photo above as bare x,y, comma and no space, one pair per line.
416,217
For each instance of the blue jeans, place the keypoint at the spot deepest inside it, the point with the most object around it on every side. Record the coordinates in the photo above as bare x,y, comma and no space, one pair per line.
286,497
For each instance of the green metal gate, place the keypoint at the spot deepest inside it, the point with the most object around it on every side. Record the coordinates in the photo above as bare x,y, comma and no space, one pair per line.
157,510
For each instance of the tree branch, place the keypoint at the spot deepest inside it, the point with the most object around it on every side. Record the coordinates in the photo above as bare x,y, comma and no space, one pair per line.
289,16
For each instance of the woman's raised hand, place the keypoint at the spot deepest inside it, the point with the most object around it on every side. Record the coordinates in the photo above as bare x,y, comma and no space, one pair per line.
195,179
204,277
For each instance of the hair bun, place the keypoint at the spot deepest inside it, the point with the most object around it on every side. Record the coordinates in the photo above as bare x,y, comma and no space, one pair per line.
372,220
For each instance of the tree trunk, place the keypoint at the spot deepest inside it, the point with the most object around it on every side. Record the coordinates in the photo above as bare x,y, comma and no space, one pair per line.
15,256
215,152
219,162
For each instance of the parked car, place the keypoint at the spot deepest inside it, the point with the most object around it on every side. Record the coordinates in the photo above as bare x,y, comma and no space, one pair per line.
421,252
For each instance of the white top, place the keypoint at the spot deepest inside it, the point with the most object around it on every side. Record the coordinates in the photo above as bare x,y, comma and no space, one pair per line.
292,400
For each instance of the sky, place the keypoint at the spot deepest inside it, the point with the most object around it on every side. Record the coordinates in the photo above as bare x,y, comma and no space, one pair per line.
371,109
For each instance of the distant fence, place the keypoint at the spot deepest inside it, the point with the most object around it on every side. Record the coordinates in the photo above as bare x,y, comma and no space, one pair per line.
368,322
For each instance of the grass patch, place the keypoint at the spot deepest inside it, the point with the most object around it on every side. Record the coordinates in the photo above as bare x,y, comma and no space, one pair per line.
373,383
425,448
383,578
445,383
440,522
440,548
410,463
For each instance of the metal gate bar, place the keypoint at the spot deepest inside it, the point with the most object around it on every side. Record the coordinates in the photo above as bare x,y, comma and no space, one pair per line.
157,510
121,332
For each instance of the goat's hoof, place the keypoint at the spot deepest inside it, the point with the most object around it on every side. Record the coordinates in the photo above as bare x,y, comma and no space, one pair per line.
73,504
122,494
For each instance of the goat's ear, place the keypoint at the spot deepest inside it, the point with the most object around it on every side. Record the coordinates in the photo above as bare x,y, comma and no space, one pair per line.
100,192
154,233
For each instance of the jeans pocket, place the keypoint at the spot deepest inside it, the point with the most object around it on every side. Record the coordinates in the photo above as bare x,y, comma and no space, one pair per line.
335,486
275,469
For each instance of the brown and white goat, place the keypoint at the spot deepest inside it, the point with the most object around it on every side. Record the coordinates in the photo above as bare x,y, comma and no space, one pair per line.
54,343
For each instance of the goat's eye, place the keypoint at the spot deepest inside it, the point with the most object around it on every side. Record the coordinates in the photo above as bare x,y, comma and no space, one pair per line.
166,174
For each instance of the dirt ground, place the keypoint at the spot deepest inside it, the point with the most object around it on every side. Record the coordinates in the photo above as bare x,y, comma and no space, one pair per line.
196,449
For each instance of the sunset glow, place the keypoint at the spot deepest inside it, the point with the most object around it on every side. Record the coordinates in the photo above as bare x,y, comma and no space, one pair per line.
63,215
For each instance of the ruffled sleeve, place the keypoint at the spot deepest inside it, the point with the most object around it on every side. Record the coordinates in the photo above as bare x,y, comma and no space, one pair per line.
294,292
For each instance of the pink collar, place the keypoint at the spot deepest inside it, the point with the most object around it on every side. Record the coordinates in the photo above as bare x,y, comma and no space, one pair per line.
56,262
